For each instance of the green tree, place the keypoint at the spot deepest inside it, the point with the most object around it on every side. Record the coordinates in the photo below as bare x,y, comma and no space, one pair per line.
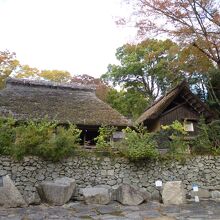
8,64
56,75
60,76
129,103
203,75
152,67
144,67
214,89
25,71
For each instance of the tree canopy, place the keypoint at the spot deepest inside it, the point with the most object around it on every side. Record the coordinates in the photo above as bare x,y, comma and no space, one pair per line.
102,88
8,64
56,75
150,68
60,76
129,103
154,66
195,22
145,67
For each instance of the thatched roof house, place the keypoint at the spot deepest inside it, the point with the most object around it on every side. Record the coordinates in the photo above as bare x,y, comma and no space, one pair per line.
178,104
77,104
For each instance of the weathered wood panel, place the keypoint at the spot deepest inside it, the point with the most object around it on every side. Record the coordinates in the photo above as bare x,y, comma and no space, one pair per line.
180,113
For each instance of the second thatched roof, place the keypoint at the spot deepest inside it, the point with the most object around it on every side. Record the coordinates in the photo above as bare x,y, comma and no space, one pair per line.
162,103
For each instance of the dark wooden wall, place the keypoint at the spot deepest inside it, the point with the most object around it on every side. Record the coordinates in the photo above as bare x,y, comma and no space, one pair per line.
180,113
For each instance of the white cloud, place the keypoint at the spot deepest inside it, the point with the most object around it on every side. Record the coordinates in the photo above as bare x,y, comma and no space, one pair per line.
79,36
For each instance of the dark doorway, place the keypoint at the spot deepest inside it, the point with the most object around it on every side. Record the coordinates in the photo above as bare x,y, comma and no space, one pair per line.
87,136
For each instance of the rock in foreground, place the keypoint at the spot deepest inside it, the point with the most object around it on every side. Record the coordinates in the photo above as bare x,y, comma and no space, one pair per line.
215,194
58,192
32,198
202,193
128,195
10,197
173,193
97,195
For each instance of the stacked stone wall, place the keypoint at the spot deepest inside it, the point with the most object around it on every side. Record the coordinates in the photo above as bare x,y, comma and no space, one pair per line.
91,171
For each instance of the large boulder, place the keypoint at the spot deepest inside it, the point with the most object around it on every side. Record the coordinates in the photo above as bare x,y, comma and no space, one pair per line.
97,195
10,197
57,192
174,193
128,195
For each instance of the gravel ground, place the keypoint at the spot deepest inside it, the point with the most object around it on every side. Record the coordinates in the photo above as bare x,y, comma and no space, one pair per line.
148,211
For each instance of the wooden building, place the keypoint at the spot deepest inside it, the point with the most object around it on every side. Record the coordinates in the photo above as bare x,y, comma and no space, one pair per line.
178,104
74,103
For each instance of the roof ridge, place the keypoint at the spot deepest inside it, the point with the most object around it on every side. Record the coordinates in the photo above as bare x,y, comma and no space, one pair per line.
48,84
178,86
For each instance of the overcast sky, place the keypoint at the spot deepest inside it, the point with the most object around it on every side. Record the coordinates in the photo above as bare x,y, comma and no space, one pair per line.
79,36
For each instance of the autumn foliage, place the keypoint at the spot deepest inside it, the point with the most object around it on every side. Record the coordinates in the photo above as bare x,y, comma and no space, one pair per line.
195,22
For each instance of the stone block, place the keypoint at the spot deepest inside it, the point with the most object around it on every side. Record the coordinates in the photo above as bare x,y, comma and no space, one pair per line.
173,193
10,197
128,195
202,193
97,195
57,192
32,198
215,194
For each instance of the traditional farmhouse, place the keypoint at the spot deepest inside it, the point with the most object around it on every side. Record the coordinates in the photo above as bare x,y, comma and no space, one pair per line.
77,104
178,104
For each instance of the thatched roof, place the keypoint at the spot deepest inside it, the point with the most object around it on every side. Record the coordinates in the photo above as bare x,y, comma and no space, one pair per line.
25,99
162,103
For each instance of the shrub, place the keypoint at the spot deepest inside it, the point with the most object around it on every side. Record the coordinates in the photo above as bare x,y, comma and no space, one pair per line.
60,145
208,139
138,144
214,133
7,135
43,139
30,135
173,137
103,140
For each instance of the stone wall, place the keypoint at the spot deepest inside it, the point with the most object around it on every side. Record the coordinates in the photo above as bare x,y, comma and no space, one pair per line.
205,171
